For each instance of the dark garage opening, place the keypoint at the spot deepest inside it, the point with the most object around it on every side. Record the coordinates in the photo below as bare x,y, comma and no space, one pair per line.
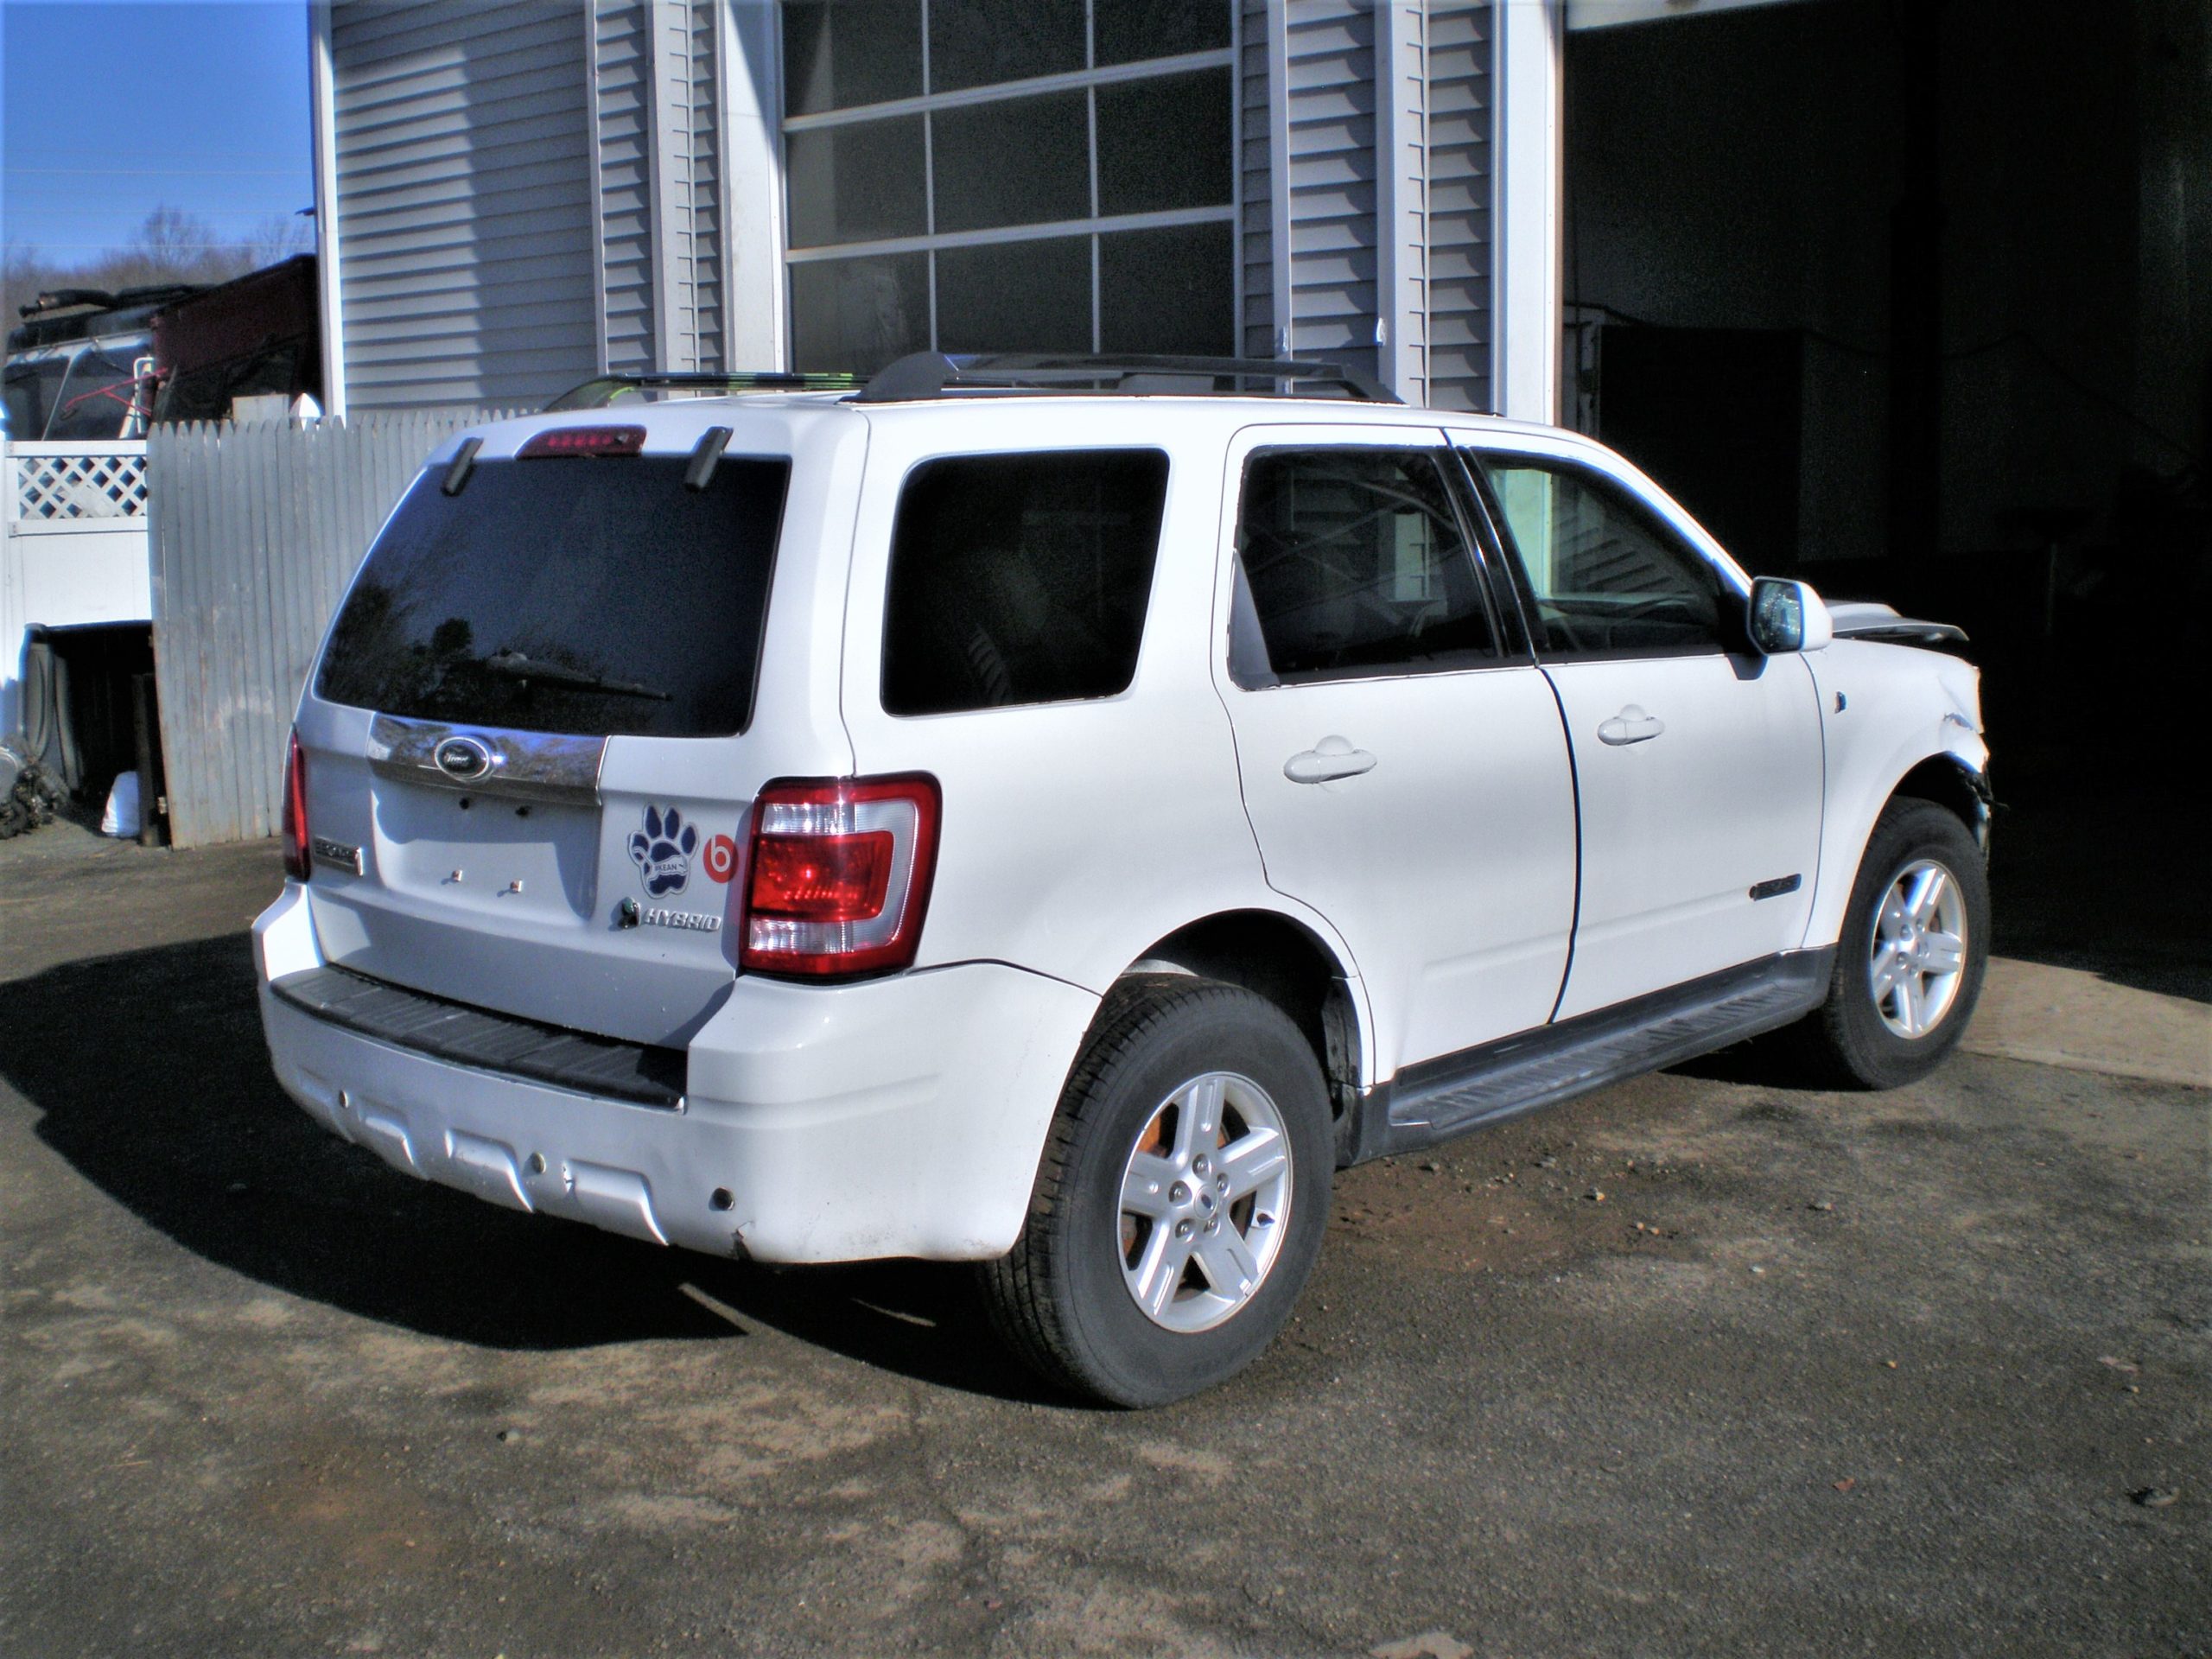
1909,299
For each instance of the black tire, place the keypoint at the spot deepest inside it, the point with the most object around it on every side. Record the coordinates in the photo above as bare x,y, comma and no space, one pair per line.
1060,1299
1848,1041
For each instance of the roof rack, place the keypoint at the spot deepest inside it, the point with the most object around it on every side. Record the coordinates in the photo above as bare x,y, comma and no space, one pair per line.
932,374
602,389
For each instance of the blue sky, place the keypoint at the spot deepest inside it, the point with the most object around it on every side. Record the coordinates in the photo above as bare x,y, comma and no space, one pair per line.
108,110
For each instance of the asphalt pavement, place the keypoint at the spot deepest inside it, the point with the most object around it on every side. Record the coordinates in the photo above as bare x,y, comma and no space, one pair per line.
1701,1364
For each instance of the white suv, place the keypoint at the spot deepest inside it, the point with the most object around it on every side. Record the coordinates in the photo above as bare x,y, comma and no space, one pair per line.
977,818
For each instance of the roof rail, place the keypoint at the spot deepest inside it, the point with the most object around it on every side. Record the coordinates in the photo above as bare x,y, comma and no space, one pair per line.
930,374
602,389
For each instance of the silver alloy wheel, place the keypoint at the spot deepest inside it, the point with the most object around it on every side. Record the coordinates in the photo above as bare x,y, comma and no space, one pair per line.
1205,1202
1918,954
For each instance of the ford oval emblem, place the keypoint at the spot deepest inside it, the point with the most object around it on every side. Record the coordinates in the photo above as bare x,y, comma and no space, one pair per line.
463,759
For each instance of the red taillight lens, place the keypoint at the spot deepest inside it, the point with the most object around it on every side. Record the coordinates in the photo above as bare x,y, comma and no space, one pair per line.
296,812
584,440
838,875
822,878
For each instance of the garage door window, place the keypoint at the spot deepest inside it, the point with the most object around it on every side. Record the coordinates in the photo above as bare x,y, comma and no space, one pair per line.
1052,175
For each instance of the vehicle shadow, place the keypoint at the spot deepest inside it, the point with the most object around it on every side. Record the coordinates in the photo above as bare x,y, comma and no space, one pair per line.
148,1071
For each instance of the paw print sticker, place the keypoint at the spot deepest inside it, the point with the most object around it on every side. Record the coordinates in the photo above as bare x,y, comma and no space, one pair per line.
662,851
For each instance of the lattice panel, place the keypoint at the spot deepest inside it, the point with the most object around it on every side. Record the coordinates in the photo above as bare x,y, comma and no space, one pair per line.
49,487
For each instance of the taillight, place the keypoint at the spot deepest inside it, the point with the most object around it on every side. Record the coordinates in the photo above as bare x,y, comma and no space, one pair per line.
296,812
837,877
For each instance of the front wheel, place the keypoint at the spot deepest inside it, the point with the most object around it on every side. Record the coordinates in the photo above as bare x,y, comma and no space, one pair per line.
1181,1199
1915,943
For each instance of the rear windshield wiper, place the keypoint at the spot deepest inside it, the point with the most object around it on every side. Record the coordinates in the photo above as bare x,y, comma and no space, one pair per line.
514,665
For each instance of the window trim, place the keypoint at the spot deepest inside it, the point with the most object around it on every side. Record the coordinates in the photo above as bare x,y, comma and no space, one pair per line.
1508,649
1475,458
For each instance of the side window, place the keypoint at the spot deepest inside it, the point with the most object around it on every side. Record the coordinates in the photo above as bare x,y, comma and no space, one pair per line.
1020,579
1353,561
1606,576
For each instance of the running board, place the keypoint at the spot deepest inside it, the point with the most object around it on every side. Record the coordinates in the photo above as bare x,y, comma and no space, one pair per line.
1442,1098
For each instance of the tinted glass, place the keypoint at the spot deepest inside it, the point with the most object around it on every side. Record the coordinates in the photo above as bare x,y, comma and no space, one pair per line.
858,314
608,568
95,399
1015,296
1354,562
856,183
1172,290
1164,143
1020,579
1022,161
980,42
33,389
838,53
1607,577
1127,30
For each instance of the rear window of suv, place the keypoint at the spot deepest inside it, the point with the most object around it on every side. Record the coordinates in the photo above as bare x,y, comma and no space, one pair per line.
597,596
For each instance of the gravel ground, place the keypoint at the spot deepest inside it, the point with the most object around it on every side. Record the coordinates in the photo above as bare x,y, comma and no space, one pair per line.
1917,1372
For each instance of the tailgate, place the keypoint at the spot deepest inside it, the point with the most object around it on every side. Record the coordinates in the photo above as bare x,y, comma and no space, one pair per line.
582,882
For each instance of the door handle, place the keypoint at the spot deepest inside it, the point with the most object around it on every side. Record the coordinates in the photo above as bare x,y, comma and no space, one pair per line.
1332,757
1631,725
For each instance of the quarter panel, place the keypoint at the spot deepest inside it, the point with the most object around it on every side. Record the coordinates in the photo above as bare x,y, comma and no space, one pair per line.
1075,833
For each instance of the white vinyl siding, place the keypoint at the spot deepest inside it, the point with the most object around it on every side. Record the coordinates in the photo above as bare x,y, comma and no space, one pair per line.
1460,248
1328,53
1383,249
1255,238
703,293
623,66
461,135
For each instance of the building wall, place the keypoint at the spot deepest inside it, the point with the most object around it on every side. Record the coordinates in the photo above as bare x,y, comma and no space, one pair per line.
528,194
1460,119
622,111
466,275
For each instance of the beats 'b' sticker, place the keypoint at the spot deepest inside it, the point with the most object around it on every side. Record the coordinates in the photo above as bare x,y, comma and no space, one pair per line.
720,858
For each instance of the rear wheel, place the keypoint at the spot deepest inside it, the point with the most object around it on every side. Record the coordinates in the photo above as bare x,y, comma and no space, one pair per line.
1181,1199
1915,945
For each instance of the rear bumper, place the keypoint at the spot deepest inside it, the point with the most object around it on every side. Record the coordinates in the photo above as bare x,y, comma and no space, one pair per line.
900,1116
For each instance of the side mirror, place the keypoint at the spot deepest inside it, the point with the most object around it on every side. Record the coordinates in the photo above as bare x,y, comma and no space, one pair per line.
1788,616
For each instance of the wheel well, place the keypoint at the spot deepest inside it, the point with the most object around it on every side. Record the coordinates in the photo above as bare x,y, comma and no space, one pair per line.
1273,957
1950,782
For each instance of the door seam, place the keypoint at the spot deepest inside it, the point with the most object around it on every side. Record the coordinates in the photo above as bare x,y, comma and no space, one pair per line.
1574,784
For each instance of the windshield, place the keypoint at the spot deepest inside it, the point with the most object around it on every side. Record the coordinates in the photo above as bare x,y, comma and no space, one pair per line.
96,400
588,595
34,386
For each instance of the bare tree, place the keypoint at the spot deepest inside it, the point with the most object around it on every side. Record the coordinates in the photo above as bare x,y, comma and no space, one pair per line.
171,246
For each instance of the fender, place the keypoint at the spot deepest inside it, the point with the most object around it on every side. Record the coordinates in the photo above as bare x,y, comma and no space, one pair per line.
1886,711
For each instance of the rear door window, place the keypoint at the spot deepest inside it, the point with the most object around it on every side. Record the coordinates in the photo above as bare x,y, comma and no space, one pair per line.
597,596
1020,578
